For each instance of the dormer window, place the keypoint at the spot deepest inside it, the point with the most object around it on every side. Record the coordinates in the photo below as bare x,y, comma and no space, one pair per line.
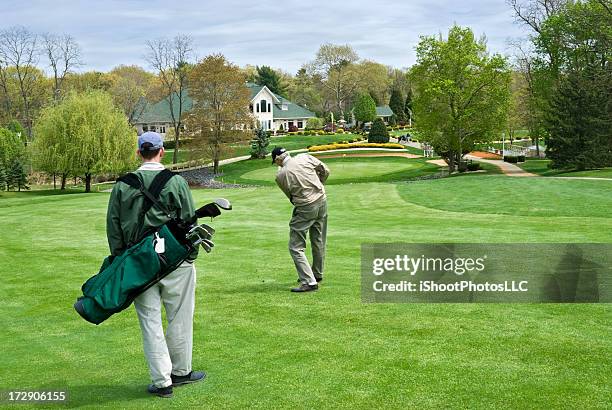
284,107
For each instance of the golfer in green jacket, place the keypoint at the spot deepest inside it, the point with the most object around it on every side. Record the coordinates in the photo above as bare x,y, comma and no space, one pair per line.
169,357
301,179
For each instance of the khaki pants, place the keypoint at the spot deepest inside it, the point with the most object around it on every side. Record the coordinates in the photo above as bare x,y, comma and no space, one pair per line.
309,219
170,354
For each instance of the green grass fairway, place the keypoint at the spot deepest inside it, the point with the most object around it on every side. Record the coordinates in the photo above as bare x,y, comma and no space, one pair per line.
264,347
343,170
540,167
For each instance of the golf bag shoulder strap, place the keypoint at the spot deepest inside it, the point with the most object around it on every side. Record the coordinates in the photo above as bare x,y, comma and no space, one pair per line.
151,194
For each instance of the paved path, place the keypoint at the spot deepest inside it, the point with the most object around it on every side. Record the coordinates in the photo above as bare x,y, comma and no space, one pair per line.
506,167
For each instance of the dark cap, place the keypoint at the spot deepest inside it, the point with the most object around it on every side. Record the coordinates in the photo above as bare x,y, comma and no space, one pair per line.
276,152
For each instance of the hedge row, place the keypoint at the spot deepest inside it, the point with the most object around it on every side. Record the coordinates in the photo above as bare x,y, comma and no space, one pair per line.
328,147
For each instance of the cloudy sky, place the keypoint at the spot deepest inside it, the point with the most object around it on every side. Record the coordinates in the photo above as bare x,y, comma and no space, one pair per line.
280,33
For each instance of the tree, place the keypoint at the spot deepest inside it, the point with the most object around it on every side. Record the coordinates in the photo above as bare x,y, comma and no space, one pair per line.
16,176
463,93
302,89
259,145
12,152
336,67
220,112
365,109
131,87
378,132
64,55
94,136
373,79
408,113
19,49
271,79
577,116
580,121
396,103
170,58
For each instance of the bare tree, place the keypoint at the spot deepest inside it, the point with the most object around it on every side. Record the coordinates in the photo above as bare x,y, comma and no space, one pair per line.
19,49
64,55
170,58
534,12
4,84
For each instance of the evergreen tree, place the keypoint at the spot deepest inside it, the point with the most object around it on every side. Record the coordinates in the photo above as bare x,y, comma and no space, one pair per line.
378,132
16,176
579,121
270,78
365,108
259,145
396,103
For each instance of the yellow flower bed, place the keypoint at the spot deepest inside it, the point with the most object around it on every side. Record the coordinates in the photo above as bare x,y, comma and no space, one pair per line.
328,147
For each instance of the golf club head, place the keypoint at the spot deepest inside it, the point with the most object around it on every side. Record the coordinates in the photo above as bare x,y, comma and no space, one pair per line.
223,203
209,229
207,245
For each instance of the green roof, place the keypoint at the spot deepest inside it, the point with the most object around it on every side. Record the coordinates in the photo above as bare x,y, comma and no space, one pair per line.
160,112
384,111
293,110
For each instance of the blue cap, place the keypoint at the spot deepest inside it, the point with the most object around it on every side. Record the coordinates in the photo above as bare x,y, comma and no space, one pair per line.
152,138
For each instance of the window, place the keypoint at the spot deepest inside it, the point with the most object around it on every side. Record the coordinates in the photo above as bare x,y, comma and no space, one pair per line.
269,124
145,128
152,128
269,107
300,124
162,129
257,107
264,105
251,107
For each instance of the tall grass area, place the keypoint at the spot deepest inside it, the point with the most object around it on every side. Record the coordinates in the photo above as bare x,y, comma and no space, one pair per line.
264,347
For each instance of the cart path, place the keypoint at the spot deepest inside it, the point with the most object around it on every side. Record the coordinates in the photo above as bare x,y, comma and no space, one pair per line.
506,167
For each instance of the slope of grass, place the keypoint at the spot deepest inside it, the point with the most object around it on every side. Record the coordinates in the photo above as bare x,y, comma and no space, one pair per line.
343,170
264,347
541,167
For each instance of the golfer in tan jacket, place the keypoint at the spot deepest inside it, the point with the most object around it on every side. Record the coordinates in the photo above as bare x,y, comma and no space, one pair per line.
301,179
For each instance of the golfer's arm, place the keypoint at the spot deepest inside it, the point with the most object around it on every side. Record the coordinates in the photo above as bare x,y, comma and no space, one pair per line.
284,188
114,234
322,171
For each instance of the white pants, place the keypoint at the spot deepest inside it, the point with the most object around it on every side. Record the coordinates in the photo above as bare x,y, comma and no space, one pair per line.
172,354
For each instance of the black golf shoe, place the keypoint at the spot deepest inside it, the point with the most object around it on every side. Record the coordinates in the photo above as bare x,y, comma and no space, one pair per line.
165,392
192,377
305,288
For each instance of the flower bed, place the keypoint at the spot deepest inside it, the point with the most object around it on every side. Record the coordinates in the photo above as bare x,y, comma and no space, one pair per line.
329,147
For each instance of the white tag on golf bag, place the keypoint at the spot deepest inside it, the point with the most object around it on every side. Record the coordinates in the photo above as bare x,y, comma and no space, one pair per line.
159,244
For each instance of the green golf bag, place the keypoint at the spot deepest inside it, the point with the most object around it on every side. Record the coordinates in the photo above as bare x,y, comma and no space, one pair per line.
122,278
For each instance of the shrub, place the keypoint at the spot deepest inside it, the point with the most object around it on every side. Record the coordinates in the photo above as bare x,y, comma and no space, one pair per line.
328,147
314,123
378,132
259,144
513,159
473,166
292,128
